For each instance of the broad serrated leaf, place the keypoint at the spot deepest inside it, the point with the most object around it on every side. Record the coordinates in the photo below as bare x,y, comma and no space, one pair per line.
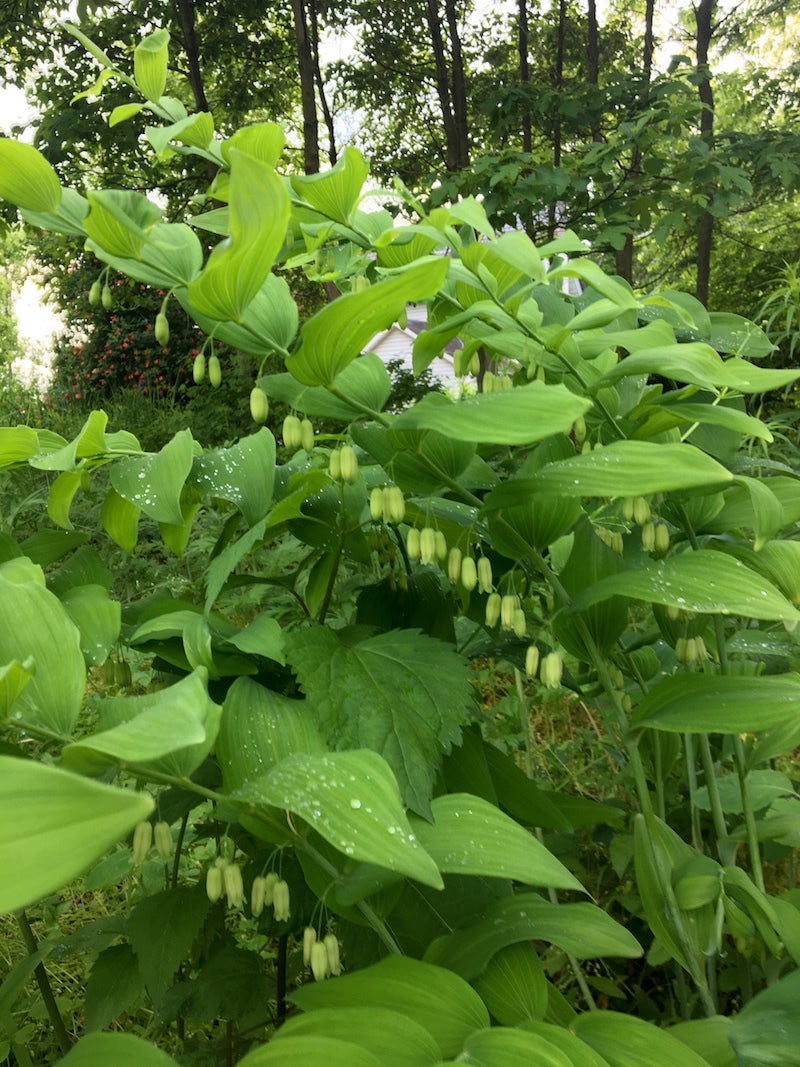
114,986
55,824
352,800
162,929
402,694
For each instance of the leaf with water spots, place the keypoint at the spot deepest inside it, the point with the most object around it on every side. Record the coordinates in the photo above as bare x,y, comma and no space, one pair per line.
402,694
352,800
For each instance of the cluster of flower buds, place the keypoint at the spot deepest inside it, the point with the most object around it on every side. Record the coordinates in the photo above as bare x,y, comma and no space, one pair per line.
655,538
321,956
690,650
465,362
223,876
636,509
618,681
343,465
612,538
426,545
507,610
270,891
551,669
297,434
496,383
387,502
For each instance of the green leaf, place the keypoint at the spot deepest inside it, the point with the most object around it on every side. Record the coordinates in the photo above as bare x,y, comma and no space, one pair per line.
153,482
171,730
352,800
630,468
268,323
17,443
626,1041
26,178
364,383
581,1055
514,987
581,929
122,113
150,60
123,1050
14,676
520,416
67,219
338,333
162,929
709,1038
699,364
302,1051
263,637
62,493
735,334
260,728
334,193
220,568
395,1039
506,1047
120,520
243,474
98,619
702,580
436,999
709,703
34,625
55,824
119,221
114,986
401,694
730,418
763,787
472,836
239,265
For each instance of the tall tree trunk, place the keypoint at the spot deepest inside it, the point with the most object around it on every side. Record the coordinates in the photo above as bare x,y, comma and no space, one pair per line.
305,65
524,72
559,85
624,257
442,76
459,86
323,100
704,18
186,21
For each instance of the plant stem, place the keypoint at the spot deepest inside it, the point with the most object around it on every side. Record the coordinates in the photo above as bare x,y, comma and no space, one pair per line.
176,862
691,776
43,981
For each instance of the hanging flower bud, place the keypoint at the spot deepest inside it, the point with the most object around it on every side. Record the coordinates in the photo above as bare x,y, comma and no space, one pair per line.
579,429
413,543
107,297
441,546
661,539
454,564
376,504
681,650
259,405
199,368
335,465
551,670
519,624
258,895
142,840
627,508
214,372
469,573
458,363
161,329
270,881
394,503
485,583
427,545
508,605
309,940
402,319
648,537
280,901
162,837
214,883
349,464
306,435
488,382
319,961
493,608
331,943
616,544
532,661
291,432
94,294
641,511
474,365
232,880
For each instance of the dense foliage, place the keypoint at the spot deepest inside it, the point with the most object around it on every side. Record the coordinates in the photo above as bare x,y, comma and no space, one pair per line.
303,775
